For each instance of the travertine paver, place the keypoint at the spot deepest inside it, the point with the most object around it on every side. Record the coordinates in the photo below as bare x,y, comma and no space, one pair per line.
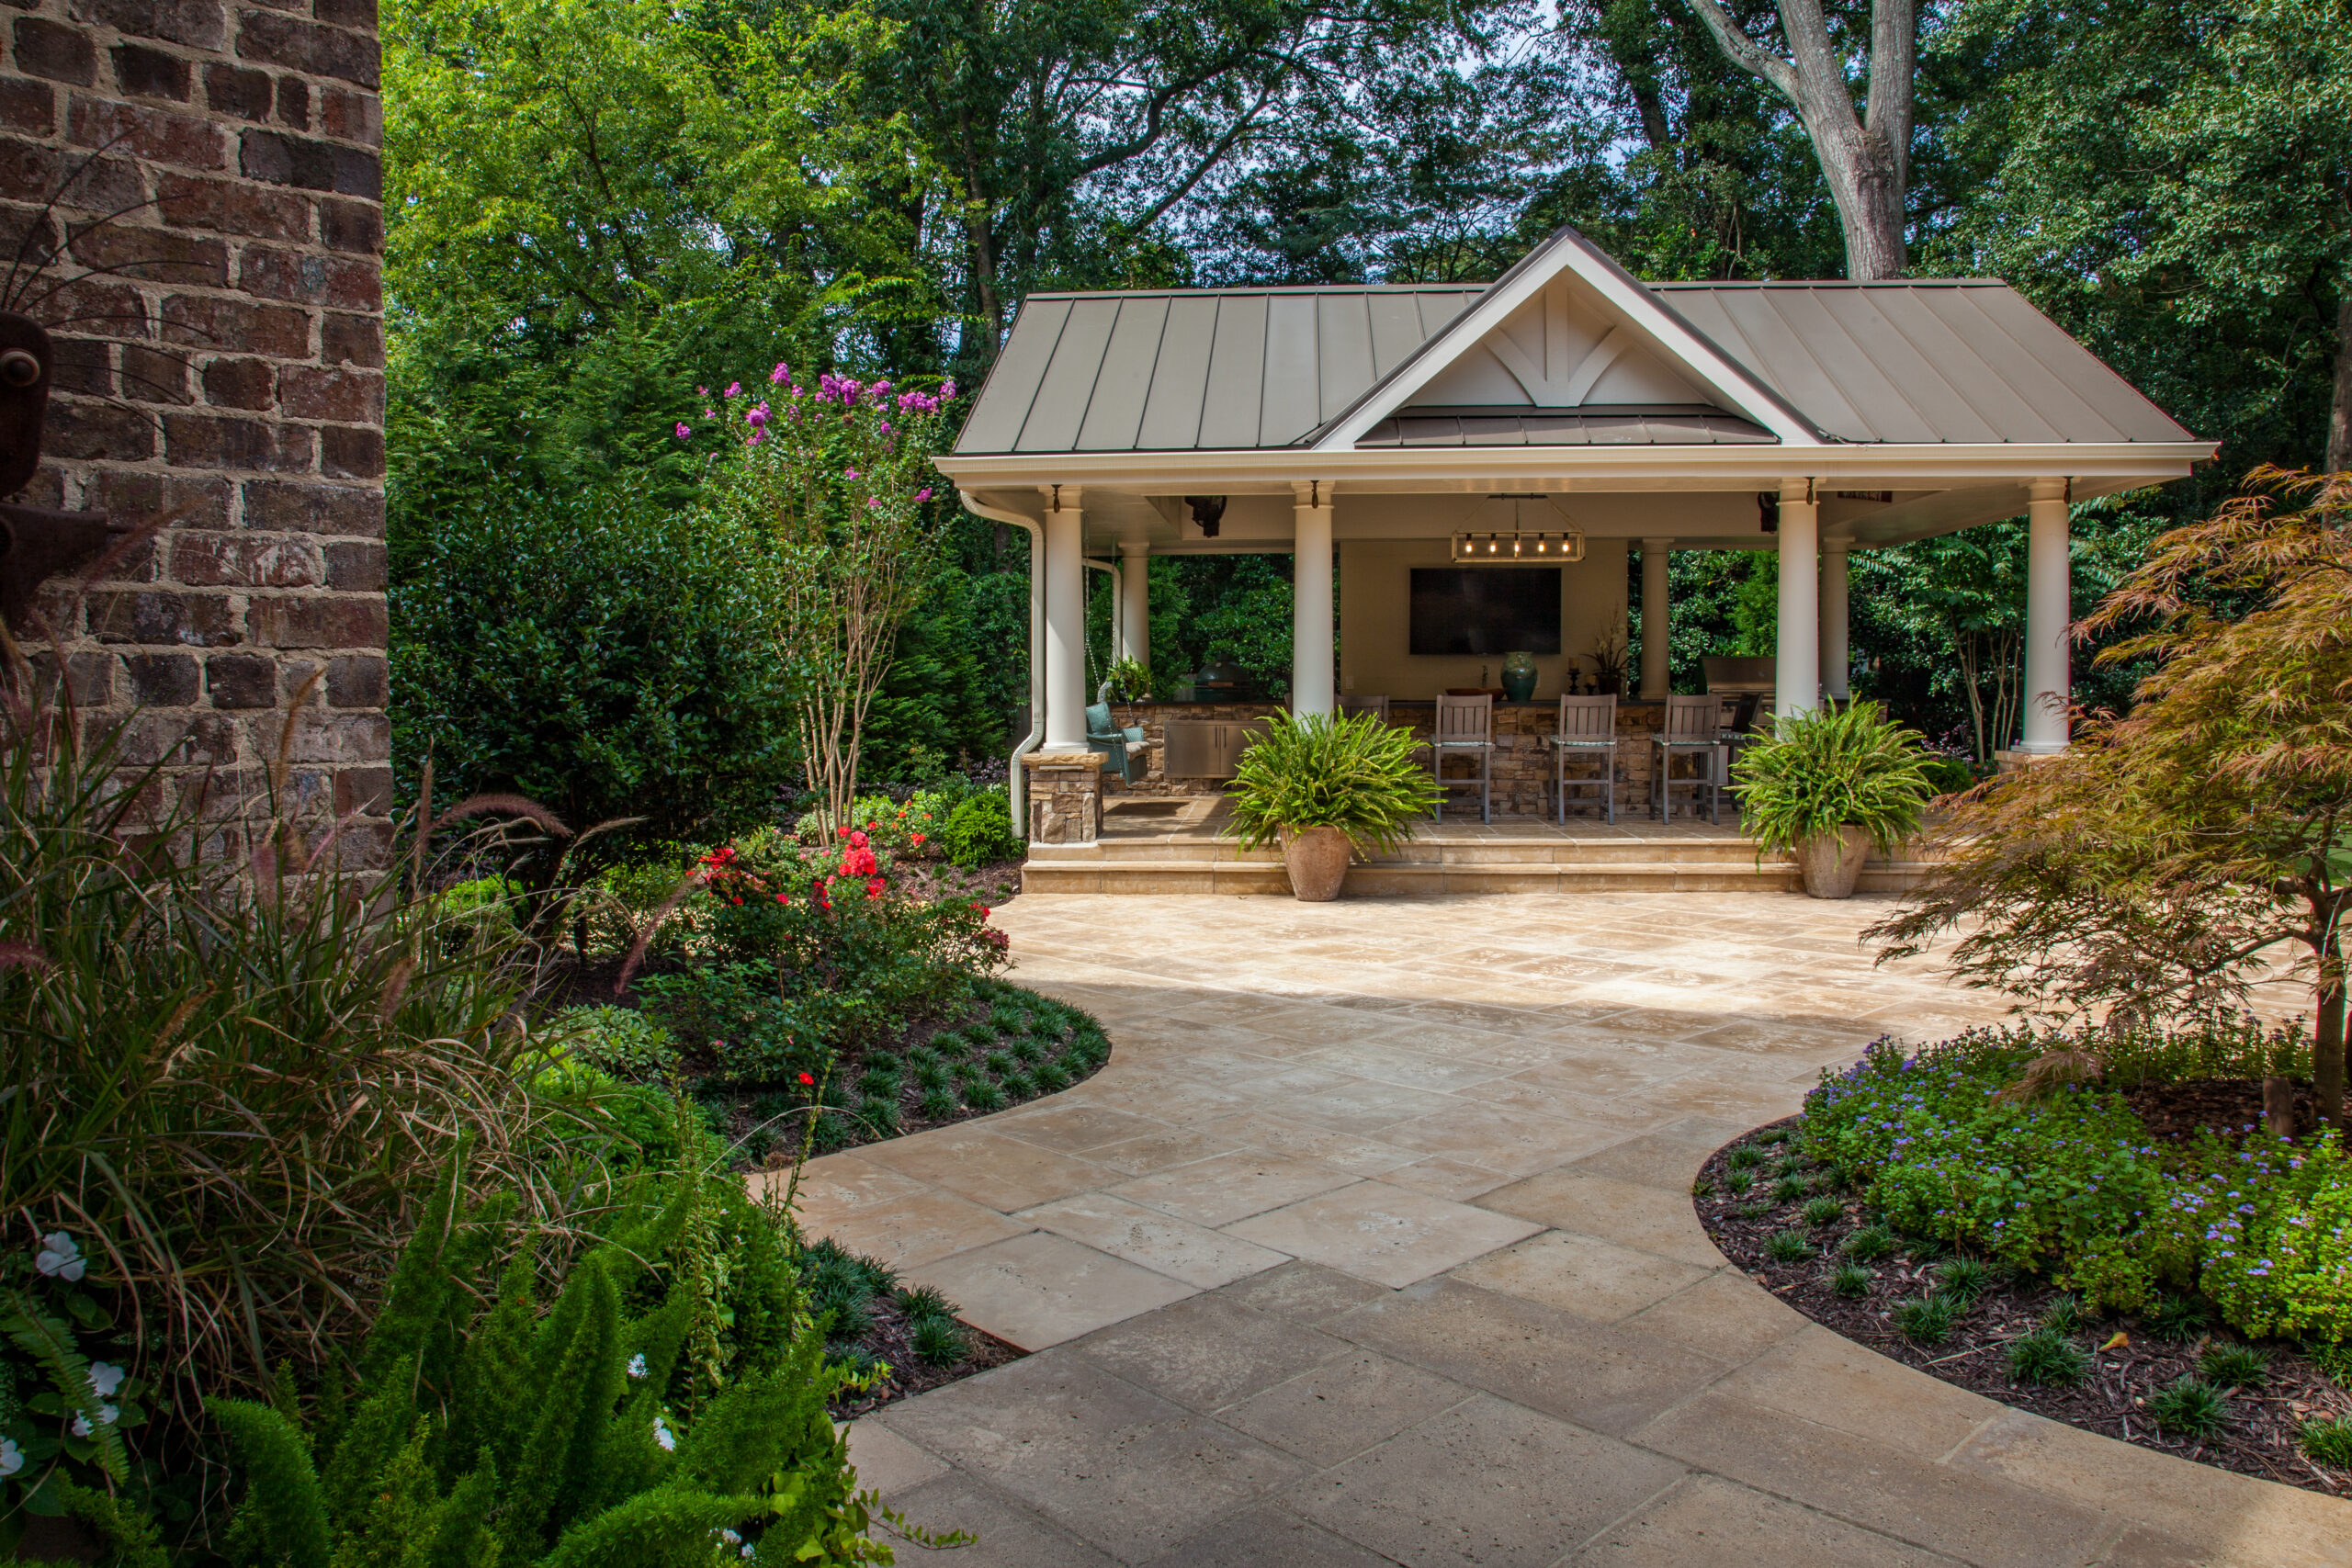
1373,1245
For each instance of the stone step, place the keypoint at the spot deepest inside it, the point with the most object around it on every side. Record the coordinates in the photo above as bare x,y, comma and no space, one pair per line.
1423,850
1193,876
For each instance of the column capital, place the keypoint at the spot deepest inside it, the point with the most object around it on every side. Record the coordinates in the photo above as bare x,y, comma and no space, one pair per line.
1132,548
1657,544
1311,495
2049,489
1062,498
1797,492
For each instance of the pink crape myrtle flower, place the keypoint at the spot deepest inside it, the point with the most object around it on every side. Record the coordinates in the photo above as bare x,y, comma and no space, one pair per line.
684,430
781,374
923,494
734,390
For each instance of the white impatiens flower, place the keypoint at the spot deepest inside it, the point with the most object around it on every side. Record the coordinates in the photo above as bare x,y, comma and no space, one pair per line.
12,1458
59,1256
105,1378
107,1414
636,1365
663,1436
730,1538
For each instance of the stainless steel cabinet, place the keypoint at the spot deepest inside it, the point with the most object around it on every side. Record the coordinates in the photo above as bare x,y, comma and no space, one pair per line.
1207,748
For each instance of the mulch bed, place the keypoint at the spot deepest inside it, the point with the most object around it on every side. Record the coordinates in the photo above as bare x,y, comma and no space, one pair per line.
910,1374
2176,1113
2259,1439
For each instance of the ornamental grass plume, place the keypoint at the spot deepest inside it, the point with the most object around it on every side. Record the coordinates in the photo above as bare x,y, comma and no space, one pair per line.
245,1049
2162,863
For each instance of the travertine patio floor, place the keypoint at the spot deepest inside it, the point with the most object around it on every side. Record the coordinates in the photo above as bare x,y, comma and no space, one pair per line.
1373,1244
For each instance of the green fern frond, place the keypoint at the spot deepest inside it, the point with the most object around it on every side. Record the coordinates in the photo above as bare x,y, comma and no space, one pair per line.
284,1511
50,1343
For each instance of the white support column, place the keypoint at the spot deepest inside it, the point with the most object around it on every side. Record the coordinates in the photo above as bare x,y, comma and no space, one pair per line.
2049,611
1797,678
1065,621
1312,687
1834,655
1135,599
1658,625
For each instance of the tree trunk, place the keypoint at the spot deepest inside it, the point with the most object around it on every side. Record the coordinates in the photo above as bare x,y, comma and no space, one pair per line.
2339,415
2328,1036
1865,160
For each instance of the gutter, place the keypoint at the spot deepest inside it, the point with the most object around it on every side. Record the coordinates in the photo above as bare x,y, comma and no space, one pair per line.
1015,791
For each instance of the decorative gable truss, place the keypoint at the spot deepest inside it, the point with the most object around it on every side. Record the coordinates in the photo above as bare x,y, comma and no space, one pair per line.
1567,329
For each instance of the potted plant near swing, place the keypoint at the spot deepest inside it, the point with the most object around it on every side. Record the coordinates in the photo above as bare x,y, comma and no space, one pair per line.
1130,683
1325,787
1827,785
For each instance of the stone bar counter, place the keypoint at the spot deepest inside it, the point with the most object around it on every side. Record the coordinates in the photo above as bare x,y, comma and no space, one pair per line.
1522,763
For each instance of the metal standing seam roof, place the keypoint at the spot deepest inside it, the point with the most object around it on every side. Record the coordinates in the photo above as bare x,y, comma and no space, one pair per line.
1961,361
1161,370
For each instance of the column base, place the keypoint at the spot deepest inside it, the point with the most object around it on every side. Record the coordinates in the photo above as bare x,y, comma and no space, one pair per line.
1064,796
2017,757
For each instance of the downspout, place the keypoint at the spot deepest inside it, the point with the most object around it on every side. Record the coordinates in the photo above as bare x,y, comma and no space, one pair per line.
1014,791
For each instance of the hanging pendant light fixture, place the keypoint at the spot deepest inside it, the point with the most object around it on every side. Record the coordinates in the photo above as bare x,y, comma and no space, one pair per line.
1496,548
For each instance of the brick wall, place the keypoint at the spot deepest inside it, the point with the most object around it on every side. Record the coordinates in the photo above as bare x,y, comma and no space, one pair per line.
238,379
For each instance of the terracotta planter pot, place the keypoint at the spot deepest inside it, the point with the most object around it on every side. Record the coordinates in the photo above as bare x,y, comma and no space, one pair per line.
1831,863
1317,859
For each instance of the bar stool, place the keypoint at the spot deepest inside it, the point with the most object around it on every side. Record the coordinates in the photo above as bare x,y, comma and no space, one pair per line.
1587,729
1692,729
1464,727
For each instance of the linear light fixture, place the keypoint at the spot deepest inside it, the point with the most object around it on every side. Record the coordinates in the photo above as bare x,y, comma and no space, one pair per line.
1519,544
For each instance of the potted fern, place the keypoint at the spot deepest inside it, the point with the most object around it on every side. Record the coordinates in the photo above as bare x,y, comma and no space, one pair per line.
1325,787
1828,785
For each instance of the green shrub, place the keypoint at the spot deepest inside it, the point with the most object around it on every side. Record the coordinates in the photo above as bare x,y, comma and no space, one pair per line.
1824,1211
1789,1188
1747,1156
1825,769
1870,1244
1788,1247
1949,776
1358,774
606,654
616,1040
2234,1366
2179,1317
1850,1280
2327,1440
1963,1279
2189,1407
939,1340
979,832
2048,1357
1927,1320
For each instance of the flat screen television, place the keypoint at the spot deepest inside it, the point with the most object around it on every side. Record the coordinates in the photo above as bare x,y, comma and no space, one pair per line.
1486,610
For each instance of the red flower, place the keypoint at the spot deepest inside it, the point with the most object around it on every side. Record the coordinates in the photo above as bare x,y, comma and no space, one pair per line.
859,840
917,839
782,900
874,887
808,1078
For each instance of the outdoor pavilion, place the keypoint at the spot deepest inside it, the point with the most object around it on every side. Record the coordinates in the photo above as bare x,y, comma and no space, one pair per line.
1367,424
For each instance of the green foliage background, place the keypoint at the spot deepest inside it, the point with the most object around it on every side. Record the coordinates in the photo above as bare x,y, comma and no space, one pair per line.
597,207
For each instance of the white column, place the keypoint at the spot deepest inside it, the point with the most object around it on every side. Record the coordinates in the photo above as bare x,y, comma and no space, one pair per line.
1311,676
1065,622
1135,599
2048,610
1657,624
1834,655
1797,678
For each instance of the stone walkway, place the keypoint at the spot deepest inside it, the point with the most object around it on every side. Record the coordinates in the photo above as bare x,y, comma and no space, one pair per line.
1373,1244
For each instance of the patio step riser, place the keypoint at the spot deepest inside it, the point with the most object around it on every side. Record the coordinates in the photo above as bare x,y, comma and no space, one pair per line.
1729,854
1371,881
